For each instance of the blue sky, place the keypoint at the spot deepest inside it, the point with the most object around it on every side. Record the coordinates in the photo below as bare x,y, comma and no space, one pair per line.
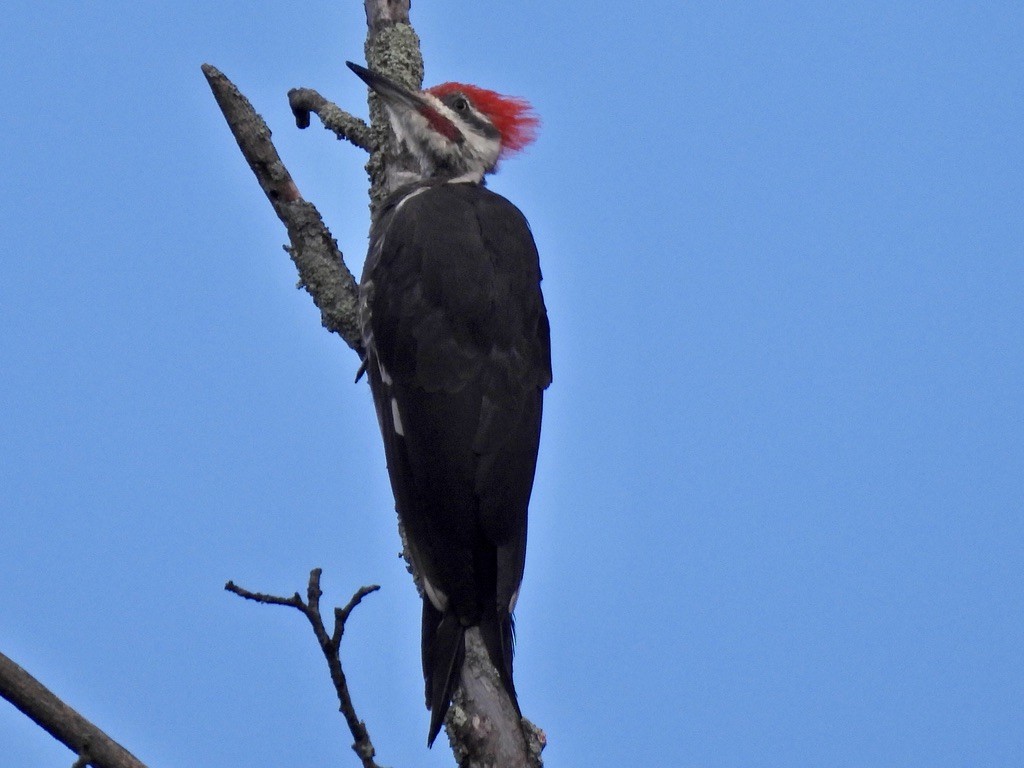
778,513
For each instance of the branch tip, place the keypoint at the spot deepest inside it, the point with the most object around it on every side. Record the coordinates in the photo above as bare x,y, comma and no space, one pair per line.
314,251
305,101
329,646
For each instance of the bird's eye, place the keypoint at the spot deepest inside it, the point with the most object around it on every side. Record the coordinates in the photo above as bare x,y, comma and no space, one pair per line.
460,104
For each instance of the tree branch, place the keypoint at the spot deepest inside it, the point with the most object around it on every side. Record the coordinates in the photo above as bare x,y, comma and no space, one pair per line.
321,266
330,645
483,726
392,47
92,745
345,126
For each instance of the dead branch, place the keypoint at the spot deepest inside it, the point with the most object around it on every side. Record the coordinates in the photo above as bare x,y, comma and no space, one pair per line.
330,645
321,266
303,101
483,727
41,705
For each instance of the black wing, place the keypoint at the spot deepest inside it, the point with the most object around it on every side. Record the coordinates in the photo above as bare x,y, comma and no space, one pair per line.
460,352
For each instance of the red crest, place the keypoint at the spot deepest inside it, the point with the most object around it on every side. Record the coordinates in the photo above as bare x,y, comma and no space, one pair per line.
513,117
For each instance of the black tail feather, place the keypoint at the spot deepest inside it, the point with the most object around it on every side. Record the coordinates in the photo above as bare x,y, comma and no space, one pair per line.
444,648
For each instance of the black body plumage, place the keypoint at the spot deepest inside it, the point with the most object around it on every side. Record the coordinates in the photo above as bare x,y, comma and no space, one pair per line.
458,357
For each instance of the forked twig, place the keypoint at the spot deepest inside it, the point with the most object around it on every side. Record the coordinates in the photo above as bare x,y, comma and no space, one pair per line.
330,645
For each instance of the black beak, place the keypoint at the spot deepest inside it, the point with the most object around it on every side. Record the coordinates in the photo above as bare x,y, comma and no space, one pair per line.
400,100
388,89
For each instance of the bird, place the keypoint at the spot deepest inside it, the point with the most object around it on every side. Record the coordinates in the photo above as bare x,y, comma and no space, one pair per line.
458,355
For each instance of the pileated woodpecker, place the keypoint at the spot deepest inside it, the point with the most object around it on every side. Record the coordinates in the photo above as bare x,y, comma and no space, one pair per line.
458,356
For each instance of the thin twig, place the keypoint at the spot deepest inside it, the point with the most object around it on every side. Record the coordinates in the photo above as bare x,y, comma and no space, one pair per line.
294,601
341,614
329,645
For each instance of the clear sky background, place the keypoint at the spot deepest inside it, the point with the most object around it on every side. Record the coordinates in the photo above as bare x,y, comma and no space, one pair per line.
778,514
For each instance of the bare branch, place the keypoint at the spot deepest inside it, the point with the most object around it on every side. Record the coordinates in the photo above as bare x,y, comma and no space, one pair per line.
341,614
330,646
392,47
61,721
294,601
380,13
345,126
321,266
483,726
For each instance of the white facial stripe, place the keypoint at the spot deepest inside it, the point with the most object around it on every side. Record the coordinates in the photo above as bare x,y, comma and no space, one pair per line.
471,159
485,148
